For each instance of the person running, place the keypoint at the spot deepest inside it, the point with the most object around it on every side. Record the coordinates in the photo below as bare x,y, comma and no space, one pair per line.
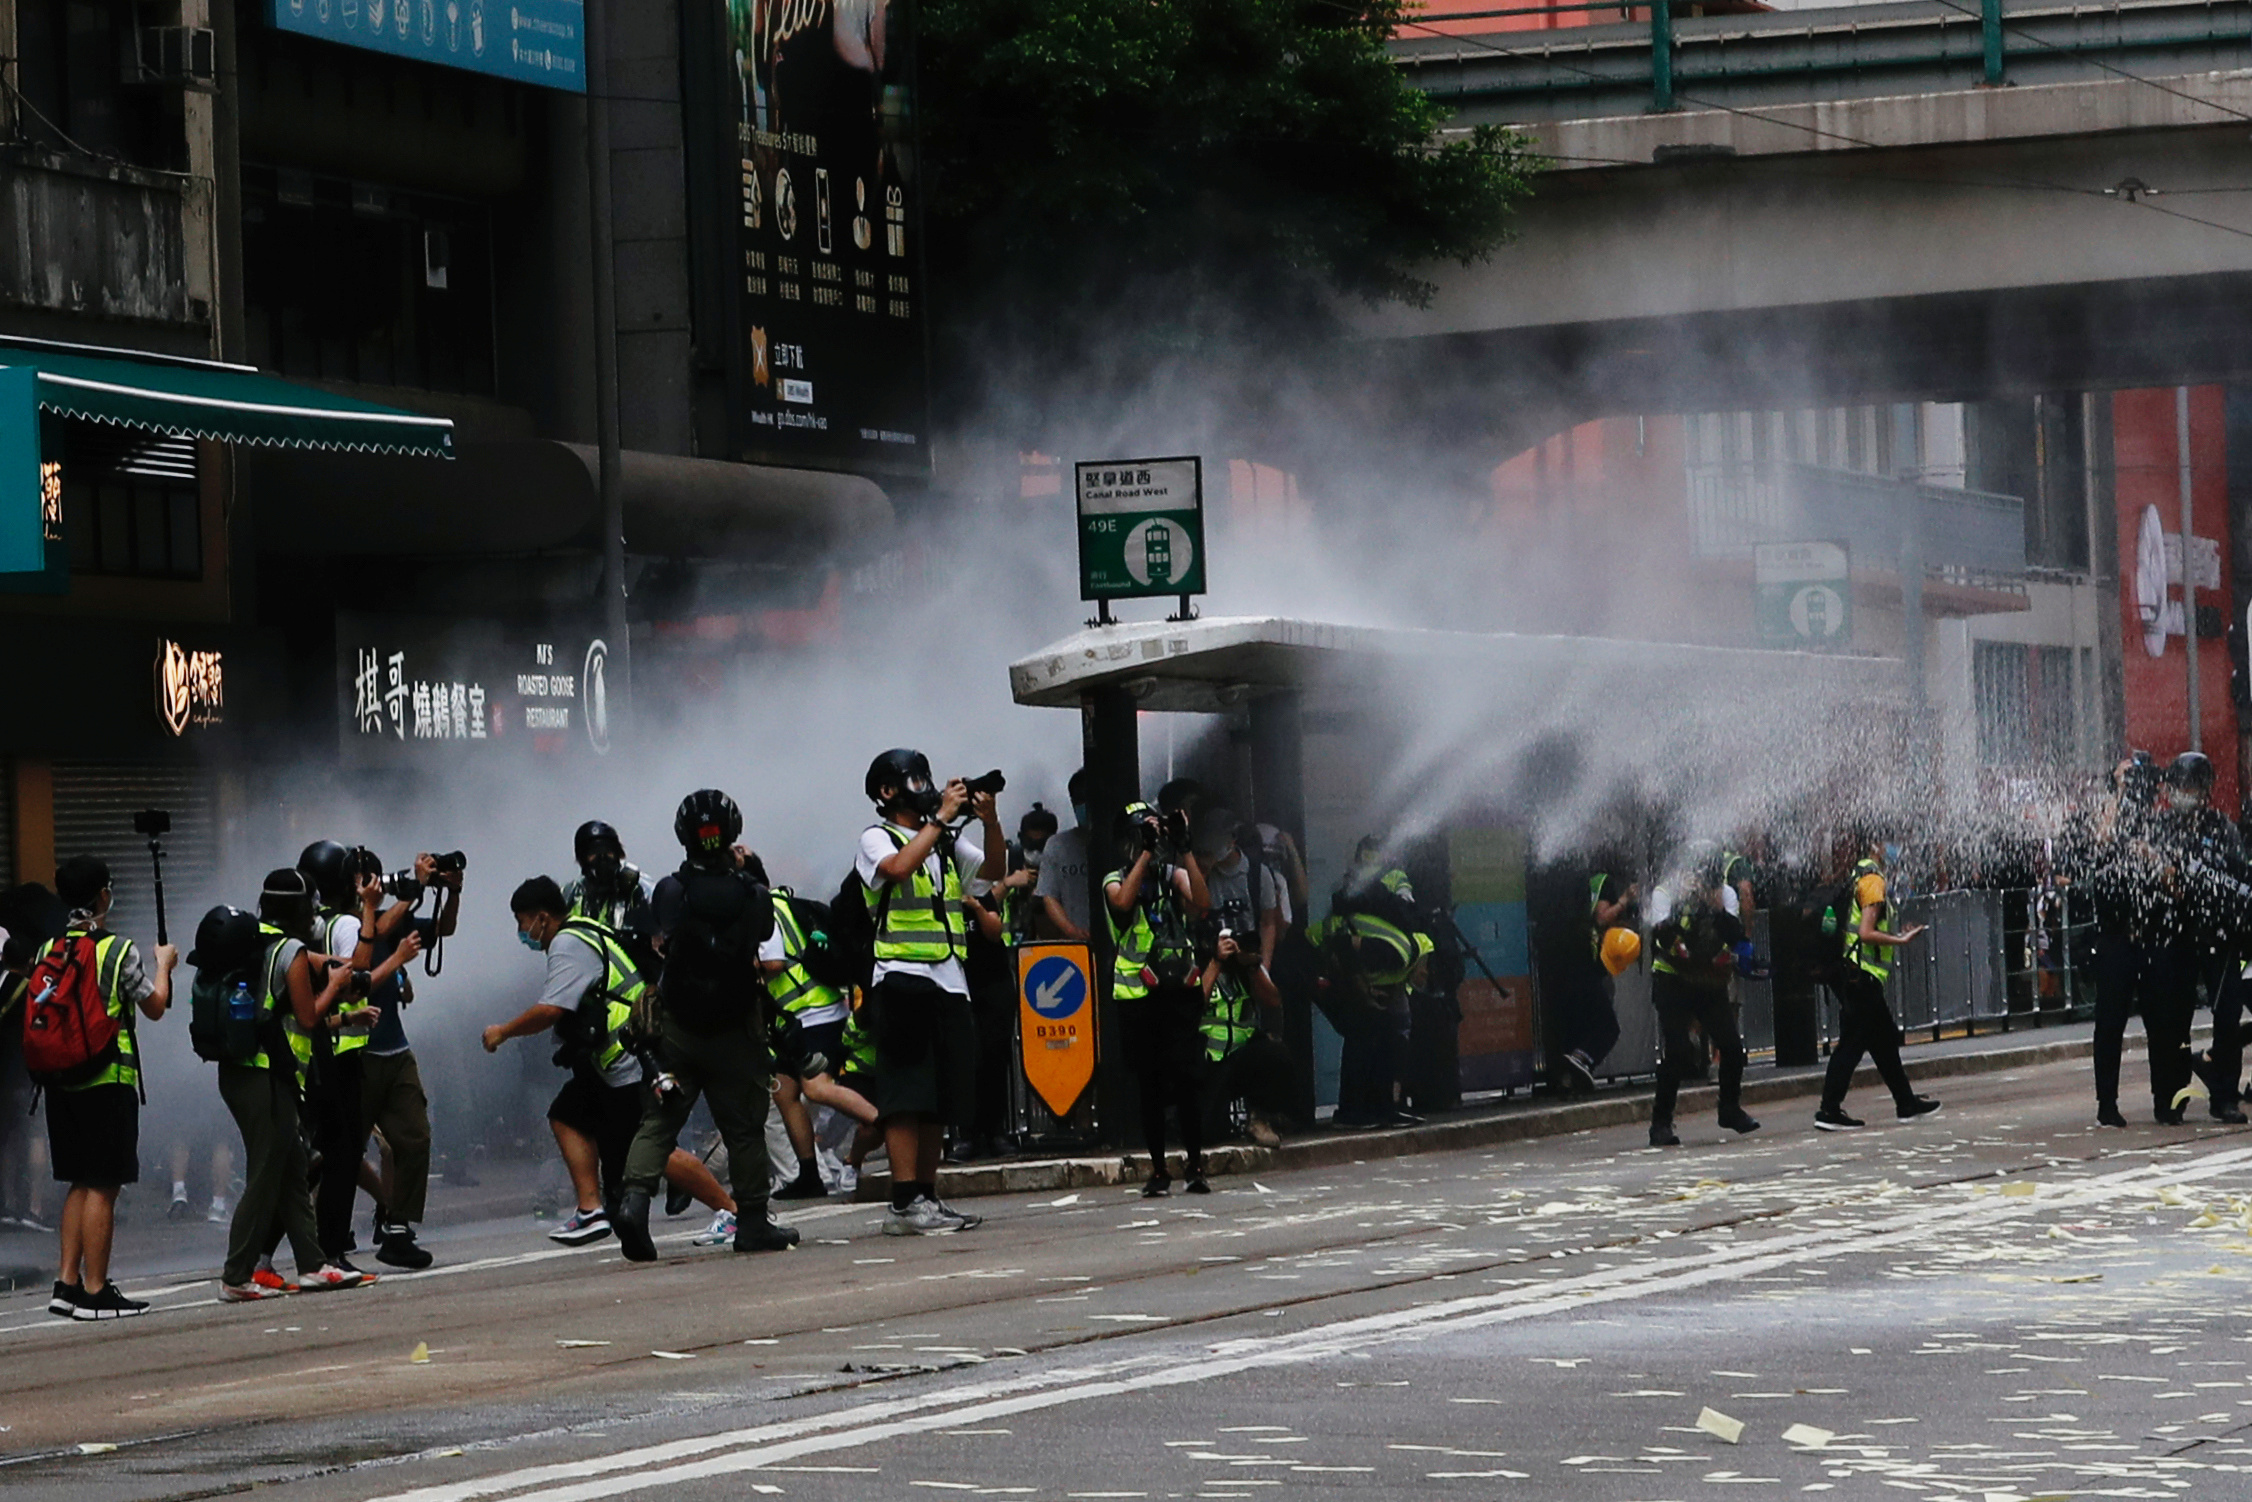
1865,1023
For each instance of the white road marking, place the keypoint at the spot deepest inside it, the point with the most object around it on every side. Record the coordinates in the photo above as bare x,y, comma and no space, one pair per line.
988,1401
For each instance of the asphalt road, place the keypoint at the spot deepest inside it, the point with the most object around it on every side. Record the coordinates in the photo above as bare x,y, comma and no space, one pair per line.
2002,1302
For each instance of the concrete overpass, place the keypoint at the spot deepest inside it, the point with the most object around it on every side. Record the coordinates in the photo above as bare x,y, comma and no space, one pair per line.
1928,199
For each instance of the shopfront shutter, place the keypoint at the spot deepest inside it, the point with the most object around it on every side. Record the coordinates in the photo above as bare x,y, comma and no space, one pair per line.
94,807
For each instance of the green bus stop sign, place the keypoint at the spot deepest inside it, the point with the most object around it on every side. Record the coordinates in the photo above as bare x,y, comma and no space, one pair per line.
1141,528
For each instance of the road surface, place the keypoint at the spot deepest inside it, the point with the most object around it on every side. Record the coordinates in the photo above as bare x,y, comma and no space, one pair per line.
2002,1302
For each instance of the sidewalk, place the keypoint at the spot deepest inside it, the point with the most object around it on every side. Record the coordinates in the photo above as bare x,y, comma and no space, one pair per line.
1519,1119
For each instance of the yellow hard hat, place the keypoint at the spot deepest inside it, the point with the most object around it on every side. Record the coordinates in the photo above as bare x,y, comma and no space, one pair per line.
1621,948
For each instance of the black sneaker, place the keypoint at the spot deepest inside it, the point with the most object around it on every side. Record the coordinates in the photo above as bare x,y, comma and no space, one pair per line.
2107,1114
68,1297
677,1200
806,1186
1579,1074
763,1235
1832,1119
398,1248
1157,1185
108,1304
2167,1115
1196,1185
1663,1136
2226,1110
1739,1120
1918,1107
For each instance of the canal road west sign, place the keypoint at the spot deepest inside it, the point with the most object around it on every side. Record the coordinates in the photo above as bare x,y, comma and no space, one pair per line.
1141,528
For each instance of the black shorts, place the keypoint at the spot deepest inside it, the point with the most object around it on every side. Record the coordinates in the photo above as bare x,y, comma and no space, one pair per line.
827,1040
608,1114
926,1049
94,1135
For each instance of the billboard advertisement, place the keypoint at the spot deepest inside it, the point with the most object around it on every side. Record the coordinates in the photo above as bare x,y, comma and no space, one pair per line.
532,41
827,363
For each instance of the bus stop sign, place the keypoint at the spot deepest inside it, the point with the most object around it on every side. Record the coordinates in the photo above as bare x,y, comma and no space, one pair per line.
1141,528
1056,1012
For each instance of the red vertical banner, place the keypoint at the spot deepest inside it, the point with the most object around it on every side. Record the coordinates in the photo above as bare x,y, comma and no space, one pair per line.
2147,484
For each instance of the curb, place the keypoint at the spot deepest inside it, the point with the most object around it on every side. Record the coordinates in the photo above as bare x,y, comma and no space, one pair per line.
1512,1122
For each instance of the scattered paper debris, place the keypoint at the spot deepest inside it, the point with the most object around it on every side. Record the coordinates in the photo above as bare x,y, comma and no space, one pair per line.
453,1454
1807,1435
95,1449
1259,1188
673,1355
766,1488
420,1355
572,1345
1720,1426
2023,1189
1069,1199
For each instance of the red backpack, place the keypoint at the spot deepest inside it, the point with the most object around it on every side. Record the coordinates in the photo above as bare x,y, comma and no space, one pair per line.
69,1035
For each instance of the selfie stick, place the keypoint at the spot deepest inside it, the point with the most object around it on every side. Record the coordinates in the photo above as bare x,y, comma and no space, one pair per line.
156,864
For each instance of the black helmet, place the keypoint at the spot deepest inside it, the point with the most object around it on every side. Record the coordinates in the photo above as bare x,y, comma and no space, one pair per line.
1126,828
909,772
708,822
226,939
286,901
323,861
2191,769
597,845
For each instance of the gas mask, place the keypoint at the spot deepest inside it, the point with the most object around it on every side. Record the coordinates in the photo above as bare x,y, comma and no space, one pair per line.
603,866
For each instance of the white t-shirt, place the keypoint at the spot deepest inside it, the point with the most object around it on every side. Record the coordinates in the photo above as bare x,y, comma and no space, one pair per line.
877,847
1234,885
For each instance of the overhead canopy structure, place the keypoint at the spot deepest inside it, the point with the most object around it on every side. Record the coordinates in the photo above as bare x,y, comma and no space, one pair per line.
1211,666
205,399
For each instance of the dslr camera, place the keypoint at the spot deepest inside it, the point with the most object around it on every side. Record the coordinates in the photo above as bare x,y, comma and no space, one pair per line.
992,782
1231,920
1165,834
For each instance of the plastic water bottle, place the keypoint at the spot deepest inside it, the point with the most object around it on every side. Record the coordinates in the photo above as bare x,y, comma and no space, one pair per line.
242,1006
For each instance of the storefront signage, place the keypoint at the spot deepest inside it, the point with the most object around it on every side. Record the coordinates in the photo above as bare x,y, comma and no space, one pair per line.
1141,528
1802,595
1056,1025
410,691
191,687
532,41
827,362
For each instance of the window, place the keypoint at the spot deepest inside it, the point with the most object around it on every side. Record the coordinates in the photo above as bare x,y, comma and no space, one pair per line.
131,507
352,281
2024,695
75,96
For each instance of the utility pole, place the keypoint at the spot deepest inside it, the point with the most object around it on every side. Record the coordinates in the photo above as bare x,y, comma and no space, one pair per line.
2189,575
618,670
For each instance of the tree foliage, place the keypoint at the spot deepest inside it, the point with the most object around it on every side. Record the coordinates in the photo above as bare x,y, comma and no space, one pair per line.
1226,160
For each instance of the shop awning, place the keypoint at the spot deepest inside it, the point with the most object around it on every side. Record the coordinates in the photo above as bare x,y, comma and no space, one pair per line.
229,403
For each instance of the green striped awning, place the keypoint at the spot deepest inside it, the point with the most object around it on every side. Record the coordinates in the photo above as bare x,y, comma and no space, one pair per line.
230,403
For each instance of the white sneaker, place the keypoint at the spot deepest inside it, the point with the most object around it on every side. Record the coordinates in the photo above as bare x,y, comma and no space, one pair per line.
967,1222
720,1230
848,1179
219,1213
925,1217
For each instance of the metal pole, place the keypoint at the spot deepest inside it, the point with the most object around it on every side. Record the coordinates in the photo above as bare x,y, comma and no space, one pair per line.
610,468
2189,576
1907,468
1661,55
1990,24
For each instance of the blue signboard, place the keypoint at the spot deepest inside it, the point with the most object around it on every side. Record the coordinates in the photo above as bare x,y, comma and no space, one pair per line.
1056,988
533,41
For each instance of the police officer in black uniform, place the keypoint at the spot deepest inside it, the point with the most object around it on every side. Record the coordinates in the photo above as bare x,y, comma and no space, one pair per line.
2135,919
2212,944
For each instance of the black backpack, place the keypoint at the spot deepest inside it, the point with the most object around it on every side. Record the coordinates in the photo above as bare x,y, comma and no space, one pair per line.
1825,922
227,954
848,954
817,921
711,981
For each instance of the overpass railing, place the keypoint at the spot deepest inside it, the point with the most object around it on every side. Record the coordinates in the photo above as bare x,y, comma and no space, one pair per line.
1654,60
